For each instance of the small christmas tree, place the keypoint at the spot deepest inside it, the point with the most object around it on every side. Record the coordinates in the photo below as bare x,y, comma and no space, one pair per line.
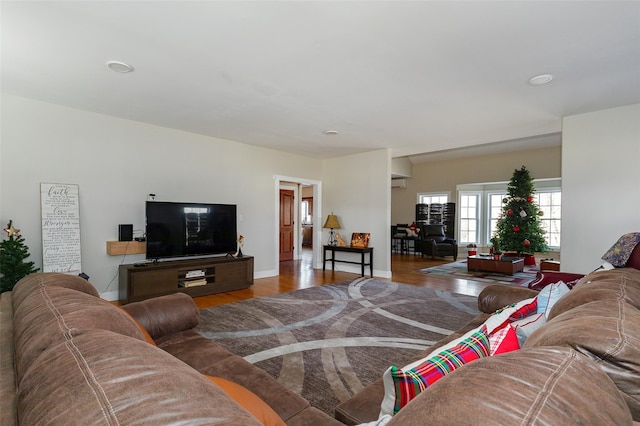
13,252
518,228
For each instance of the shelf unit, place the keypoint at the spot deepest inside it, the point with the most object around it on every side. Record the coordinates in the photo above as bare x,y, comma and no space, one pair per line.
436,214
118,248
143,281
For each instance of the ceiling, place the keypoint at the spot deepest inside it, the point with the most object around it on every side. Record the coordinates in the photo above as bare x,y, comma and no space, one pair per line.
417,77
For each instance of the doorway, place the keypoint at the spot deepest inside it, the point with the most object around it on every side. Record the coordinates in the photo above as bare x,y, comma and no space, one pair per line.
315,187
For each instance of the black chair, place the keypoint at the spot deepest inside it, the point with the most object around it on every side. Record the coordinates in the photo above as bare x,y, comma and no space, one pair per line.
433,242
398,237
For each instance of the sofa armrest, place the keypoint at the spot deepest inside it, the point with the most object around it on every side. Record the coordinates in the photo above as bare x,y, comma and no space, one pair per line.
426,245
8,381
497,296
165,315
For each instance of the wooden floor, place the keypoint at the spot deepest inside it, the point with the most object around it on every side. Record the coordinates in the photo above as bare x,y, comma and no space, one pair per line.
298,274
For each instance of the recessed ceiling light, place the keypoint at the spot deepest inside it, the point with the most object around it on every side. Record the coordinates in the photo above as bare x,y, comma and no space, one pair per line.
119,66
539,80
331,132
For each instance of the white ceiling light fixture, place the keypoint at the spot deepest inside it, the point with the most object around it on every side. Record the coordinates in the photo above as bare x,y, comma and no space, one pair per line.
118,66
541,79
331,132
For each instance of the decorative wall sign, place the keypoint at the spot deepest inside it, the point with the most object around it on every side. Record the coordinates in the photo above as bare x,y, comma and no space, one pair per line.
60,212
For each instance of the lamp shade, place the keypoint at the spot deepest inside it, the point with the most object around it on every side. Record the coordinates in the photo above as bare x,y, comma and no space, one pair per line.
332,222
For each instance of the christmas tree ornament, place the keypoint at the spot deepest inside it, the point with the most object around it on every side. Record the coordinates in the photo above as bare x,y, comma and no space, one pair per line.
522,212
516,228
509,212
505,200
526,243
530,199
540,213
11,231
517,198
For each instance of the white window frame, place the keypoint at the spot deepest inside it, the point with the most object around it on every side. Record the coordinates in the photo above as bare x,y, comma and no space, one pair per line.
476,218
430,195
488,229
548,217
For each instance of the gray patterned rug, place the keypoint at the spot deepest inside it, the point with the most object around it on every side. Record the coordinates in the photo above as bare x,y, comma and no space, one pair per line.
326,343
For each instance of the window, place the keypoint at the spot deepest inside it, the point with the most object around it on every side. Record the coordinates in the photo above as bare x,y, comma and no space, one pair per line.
480,206
433,198
549,203
469,217
495,208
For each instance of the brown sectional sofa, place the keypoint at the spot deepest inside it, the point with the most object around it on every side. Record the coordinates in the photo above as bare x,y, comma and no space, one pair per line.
581,367
69,357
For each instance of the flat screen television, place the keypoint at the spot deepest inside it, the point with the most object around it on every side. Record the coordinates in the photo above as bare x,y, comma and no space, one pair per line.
189,229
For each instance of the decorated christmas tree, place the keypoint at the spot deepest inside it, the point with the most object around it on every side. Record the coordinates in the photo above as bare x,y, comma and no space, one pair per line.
13,253
518,228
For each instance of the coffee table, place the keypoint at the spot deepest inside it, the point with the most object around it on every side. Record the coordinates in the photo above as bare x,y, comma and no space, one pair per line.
506,265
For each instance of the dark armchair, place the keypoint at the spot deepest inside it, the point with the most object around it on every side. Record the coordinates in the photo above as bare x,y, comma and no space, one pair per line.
433,242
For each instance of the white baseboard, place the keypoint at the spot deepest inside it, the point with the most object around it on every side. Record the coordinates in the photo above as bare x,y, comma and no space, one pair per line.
109,295
265,274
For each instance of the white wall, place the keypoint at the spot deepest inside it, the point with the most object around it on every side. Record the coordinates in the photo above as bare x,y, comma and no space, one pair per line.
357,189
401,167
600,191
117,162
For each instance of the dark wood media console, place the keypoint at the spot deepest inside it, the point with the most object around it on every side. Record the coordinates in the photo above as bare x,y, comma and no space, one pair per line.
197,277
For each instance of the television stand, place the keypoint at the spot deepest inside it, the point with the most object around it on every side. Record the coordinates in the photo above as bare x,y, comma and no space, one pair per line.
195,277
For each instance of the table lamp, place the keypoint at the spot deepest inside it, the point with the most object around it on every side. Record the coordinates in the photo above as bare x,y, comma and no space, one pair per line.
332,223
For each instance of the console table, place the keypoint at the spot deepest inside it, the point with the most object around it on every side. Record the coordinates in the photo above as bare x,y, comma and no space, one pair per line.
361,250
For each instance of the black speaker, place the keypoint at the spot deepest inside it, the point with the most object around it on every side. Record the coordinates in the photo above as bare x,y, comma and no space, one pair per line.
125,232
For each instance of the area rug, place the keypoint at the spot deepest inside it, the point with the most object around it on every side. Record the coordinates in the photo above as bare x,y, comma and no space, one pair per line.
326,343
459,270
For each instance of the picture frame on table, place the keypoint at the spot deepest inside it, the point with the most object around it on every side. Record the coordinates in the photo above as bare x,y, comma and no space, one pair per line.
360,239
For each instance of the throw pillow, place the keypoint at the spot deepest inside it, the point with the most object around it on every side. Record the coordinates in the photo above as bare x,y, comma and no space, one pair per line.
401,385
510,313
526,326
549,295
619,253
503,340
249,401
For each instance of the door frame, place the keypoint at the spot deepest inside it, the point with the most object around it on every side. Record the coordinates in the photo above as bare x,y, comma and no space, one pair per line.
282,182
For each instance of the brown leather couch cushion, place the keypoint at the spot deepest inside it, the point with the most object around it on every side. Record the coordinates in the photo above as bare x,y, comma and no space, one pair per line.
607,332
84,381
249,401
53,315
210,358
546,386
623,283
165,315
32,282
283,401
